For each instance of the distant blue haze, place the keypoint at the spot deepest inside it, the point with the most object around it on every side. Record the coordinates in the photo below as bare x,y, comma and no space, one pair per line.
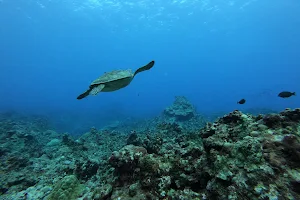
212,52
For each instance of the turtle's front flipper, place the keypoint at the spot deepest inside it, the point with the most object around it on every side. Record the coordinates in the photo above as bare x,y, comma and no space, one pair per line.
144,68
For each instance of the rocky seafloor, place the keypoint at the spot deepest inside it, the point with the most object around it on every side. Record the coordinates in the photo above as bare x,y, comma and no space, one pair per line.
178,155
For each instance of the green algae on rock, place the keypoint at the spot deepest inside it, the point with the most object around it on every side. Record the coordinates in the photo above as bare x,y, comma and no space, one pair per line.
68,188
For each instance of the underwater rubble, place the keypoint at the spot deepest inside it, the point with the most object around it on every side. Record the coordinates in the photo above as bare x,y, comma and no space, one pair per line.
181,114
180,110
238,156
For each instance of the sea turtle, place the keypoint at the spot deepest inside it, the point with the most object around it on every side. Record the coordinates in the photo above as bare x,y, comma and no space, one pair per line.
114,80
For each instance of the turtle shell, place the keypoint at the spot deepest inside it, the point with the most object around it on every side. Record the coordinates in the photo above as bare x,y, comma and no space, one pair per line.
113,76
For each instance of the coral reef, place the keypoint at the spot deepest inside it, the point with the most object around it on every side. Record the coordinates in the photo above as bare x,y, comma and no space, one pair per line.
238,156
181,109
181,115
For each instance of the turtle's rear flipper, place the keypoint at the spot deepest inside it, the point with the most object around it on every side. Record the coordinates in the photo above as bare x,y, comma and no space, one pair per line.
83,95
95,90
144,68
92,91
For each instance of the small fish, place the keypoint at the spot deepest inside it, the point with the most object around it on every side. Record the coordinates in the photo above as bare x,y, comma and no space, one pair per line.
286,94
242,101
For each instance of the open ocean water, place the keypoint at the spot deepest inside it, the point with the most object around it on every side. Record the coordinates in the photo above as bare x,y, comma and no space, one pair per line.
212,115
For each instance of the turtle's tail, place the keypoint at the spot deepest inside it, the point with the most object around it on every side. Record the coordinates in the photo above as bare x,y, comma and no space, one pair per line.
83,95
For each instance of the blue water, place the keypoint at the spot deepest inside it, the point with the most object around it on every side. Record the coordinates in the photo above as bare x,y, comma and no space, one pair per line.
214,52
